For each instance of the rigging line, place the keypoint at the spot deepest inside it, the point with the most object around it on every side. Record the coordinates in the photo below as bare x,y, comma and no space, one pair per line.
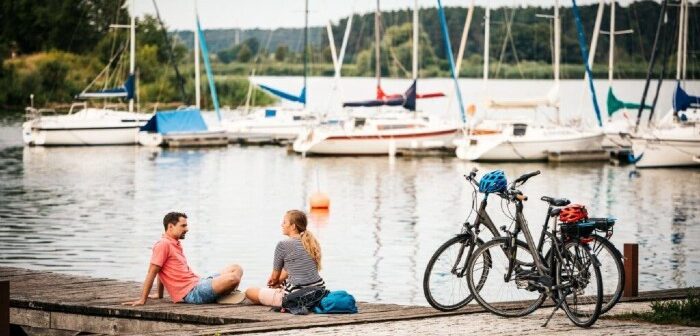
515,52
667,51
171,56
103,70
114,41
641,42
652,60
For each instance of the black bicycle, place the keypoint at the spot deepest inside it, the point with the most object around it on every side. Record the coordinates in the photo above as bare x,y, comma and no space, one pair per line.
512,278
596,233
444,281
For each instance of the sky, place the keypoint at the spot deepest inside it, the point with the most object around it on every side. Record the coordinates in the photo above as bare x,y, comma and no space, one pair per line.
247,14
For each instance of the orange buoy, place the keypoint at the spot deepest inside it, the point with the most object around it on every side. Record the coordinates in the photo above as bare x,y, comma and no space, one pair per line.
319,217
319,200
471,110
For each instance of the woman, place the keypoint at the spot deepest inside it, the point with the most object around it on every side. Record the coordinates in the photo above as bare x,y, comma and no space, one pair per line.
296,263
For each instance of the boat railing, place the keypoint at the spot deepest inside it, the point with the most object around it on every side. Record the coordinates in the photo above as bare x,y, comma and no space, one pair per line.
31,113
114,106
80,104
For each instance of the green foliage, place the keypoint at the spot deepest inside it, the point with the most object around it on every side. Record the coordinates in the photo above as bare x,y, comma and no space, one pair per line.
281,52
683,312
76,26
243,52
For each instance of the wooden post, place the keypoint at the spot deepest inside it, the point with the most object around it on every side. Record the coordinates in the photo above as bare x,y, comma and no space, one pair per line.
631,270
4,308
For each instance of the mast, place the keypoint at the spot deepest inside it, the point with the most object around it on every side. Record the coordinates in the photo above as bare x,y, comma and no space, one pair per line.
306,41
557,41
463,40
132,49
377,66
487,35
684,24
611,51
415,40
197,80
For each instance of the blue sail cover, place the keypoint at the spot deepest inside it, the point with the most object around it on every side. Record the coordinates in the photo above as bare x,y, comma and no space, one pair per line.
125,91
177,121
682,100
408,100
284,95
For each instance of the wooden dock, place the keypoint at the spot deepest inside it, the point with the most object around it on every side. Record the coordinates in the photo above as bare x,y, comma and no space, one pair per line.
46,302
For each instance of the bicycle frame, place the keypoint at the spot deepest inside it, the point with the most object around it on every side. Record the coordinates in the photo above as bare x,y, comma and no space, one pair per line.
472,234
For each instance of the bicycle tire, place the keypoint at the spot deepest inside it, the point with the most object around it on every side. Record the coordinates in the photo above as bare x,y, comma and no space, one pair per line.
612,254
577,266
502,308
431,297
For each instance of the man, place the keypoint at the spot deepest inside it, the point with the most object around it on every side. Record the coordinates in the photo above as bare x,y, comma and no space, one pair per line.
168,262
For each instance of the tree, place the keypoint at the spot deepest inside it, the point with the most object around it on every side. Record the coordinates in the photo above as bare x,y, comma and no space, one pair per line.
244,53
281,52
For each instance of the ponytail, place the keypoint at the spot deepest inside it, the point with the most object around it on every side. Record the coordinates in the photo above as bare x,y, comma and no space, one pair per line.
312,247
308,241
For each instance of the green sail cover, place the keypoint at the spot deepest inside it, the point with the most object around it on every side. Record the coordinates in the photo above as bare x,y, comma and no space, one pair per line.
615,104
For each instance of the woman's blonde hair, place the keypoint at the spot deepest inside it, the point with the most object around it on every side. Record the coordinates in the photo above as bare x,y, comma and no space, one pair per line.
308,241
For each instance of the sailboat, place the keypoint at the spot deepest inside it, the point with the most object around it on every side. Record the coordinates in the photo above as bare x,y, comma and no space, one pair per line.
521,139
87,126
617,130
383,133
278,125
186,127
675,139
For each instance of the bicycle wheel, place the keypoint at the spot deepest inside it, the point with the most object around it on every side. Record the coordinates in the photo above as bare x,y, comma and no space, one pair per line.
579,284
443,286
612,270
498,292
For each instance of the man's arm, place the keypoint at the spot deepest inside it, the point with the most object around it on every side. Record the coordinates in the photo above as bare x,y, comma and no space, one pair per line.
160,287
147,285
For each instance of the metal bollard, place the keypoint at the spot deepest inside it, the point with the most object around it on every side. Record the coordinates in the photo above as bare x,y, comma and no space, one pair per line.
631,253
4,308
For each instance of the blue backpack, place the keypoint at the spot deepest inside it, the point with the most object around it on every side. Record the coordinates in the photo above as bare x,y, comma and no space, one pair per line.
336,302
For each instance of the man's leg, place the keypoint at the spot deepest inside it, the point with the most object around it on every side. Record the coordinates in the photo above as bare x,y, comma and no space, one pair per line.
228,280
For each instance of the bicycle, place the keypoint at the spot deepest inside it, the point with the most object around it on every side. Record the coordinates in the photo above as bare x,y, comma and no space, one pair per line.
609,257
444,281
569,273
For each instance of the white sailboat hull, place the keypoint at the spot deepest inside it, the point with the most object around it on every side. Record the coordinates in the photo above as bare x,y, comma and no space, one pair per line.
376,143
87,127
668,148
499,147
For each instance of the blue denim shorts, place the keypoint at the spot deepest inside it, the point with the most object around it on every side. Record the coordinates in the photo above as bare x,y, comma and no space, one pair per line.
203,292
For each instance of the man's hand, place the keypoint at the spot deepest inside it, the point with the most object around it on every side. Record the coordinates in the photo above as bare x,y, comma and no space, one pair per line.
139,302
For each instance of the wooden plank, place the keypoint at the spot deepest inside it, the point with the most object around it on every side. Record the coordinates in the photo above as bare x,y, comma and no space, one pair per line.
4,308
631,263
84,302
30,317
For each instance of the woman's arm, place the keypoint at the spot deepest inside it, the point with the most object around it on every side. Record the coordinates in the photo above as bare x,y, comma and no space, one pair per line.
274,280
277,278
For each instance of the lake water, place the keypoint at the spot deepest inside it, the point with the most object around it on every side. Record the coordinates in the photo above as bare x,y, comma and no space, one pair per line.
97,211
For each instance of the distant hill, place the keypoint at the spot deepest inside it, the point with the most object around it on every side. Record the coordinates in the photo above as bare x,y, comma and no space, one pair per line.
220,39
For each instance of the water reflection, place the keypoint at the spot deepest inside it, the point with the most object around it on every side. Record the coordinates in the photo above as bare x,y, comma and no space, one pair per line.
97,211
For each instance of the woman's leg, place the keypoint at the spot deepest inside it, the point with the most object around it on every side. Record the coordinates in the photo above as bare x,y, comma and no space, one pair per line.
252,294
265,296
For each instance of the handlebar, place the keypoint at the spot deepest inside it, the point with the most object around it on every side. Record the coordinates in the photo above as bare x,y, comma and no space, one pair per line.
523,178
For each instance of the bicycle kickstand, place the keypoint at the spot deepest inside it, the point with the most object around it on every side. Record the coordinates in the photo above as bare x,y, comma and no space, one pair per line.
559,303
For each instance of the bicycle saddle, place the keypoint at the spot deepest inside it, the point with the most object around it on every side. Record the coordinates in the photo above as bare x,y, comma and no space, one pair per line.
556,201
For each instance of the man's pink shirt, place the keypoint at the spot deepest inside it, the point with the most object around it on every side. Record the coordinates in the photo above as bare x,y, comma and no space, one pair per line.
175,275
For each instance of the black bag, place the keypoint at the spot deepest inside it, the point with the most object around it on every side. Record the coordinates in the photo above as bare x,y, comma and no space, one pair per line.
302,301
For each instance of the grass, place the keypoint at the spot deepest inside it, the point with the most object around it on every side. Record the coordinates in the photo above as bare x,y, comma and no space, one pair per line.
684,312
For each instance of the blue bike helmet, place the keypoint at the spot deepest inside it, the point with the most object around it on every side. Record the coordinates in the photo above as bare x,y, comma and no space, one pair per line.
493,182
